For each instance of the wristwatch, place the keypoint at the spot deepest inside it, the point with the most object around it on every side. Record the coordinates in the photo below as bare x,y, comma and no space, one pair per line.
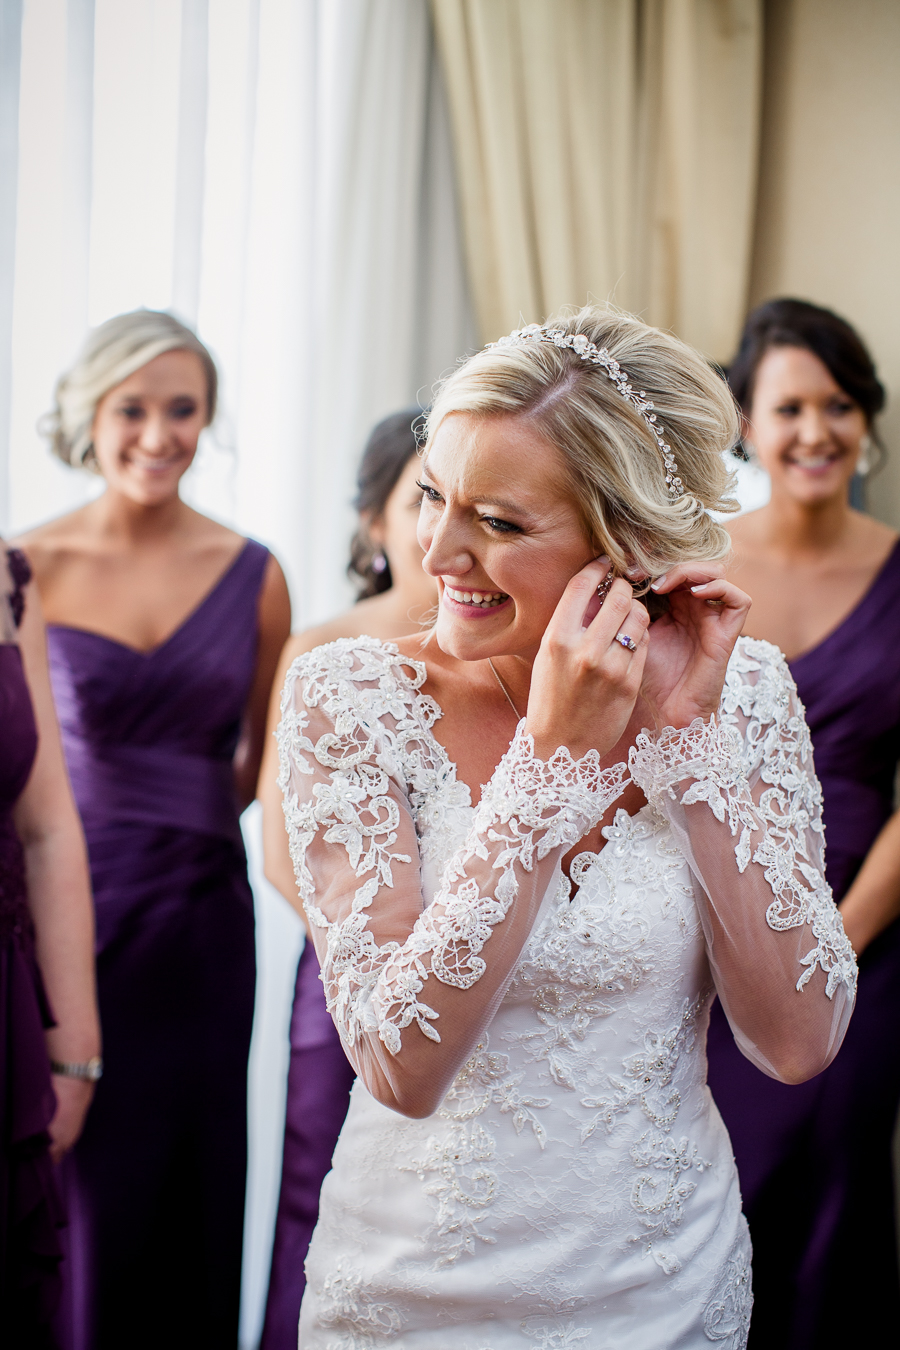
91,1070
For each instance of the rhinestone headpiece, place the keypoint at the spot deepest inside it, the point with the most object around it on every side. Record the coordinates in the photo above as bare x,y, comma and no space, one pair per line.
599,356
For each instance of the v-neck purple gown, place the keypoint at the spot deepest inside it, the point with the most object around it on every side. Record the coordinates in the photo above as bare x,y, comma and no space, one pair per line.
815,1160
155,1186
31,1214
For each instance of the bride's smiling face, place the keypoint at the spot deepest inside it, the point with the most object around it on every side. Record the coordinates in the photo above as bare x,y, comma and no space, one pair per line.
501,533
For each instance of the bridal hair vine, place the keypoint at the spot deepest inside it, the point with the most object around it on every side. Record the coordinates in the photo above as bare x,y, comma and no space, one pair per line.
599,356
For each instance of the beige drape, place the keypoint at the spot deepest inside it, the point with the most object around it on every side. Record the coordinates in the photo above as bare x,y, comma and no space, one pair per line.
607,149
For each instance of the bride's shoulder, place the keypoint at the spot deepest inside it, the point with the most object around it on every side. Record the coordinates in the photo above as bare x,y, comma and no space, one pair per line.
364,674
361,658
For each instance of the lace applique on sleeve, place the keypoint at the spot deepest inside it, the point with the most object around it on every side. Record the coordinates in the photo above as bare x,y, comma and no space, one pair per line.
752,767
356,751
529,810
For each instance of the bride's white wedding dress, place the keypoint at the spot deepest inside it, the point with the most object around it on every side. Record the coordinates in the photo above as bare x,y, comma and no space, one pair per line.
574,1185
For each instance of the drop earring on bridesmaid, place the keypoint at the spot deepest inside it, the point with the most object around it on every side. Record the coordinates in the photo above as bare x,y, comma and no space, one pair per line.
864,463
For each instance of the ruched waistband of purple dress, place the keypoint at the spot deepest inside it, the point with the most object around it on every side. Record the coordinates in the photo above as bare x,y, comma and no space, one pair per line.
153,785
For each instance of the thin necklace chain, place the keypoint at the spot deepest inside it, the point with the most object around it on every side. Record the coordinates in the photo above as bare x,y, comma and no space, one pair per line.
506,692
602,590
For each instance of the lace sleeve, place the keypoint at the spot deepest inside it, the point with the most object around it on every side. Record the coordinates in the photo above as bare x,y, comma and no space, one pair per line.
412,984
744,802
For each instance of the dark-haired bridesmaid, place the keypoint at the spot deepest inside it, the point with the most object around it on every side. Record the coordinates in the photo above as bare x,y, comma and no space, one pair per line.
164,630
395,595
815,1160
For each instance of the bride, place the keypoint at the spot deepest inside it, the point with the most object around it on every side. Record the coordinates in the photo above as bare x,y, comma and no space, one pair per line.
521,972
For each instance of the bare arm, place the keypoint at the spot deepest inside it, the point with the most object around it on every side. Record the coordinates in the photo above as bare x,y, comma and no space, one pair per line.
873,901
59,892
274,614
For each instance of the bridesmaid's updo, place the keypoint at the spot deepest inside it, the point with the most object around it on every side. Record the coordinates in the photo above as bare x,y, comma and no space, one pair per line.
391,445
112,352
612,460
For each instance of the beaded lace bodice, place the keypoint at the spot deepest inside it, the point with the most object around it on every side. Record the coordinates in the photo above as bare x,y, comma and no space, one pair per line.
552,1032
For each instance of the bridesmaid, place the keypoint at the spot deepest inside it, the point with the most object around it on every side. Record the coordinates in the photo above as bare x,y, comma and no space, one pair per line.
164,631
815,1160
394,597
49,1029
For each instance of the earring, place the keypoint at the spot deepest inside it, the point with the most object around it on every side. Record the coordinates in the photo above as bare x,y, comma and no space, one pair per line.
379,563
864,464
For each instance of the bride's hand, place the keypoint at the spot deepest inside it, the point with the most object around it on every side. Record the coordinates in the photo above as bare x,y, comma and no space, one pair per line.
585,683
691,645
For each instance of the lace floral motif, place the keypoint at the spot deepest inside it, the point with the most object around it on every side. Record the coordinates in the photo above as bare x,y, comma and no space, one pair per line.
348,1307
778,827
726,1317
550,1334
592,1134
464,1184
527,810
661,1190
711,755
598,949
647,1081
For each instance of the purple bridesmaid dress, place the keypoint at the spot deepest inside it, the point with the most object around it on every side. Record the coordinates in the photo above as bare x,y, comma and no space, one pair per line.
155,1186
815,1160
31,1214
319,1083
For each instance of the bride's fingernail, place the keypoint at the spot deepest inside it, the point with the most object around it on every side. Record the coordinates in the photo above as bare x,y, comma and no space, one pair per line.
660,581
702,587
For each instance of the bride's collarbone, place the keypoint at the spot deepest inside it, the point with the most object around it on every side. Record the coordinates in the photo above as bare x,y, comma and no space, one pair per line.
477,726
476,745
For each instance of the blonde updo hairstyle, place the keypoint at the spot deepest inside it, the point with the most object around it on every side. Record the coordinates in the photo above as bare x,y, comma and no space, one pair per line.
112,352
612,461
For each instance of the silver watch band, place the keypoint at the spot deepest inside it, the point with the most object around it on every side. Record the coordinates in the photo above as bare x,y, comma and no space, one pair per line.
91,1070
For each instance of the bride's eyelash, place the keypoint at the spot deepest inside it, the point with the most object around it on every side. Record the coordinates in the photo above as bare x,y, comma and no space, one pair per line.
431,494
501,526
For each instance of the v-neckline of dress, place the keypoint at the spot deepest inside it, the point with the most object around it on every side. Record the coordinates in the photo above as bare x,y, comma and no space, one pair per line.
176,632
449,767
865,599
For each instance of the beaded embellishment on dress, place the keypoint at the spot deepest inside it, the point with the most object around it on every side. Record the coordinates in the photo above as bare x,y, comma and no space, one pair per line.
575,1168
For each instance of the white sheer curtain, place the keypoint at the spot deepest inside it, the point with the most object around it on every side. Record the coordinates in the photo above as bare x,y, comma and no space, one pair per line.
279,173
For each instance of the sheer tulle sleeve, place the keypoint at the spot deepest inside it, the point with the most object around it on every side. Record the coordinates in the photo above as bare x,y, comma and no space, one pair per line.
743,800
411,985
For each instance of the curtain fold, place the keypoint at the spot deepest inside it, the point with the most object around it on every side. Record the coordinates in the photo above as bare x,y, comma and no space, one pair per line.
10,60
700,116
289,188
607,149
